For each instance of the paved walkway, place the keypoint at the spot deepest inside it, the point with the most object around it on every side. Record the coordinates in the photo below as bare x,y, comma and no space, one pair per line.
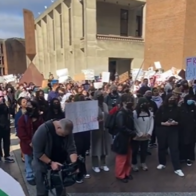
150,183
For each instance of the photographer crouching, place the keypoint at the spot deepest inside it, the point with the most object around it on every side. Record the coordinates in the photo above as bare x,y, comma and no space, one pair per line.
52,142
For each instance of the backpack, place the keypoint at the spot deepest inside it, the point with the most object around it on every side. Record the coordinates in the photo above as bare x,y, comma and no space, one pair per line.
110,122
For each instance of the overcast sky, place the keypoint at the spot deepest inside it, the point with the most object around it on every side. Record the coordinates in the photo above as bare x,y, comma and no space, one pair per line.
11,15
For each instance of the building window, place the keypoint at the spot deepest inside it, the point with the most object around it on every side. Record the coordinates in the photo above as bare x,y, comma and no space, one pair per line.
70,29
53,34
139,26
124,18
61,30
2,60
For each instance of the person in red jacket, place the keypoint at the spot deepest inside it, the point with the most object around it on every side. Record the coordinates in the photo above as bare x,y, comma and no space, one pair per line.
27,125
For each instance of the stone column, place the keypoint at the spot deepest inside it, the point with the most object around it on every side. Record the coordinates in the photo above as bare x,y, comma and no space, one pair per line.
78,54
144,22
90,31
40,47
67,55
59,54
50,41
44,42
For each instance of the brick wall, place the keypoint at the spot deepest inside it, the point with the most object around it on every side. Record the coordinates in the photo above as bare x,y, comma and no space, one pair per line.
169,32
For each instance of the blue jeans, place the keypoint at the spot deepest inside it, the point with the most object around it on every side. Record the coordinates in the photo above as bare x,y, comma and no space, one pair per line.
28,167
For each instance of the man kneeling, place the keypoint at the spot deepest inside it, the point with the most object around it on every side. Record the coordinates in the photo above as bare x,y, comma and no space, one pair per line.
52,142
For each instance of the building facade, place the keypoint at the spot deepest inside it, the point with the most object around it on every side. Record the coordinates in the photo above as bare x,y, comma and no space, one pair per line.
170,32
12,56
90,34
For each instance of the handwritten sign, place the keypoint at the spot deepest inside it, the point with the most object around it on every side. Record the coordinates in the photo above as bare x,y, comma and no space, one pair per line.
89,74
191,68
83,114
105,76
123,77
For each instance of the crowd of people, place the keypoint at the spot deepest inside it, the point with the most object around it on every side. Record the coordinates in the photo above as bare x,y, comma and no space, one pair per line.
144,116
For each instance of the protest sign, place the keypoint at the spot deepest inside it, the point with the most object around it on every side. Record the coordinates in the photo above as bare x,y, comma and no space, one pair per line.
89,74
191,68
44,83
9,78
62,72
83,114
123,77
105,76
9,186
63,79
157,65
98,85
79,77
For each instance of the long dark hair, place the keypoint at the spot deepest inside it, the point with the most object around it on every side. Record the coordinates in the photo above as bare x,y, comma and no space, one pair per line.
138,108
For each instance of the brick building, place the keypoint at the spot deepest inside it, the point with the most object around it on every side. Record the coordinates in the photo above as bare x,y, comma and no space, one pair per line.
170,32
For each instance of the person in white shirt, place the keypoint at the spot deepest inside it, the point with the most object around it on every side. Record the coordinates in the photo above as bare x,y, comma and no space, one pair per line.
144,124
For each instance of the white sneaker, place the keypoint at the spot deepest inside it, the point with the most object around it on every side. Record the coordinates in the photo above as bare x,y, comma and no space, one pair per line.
161,167
144,167
135,168
179,172
87,176
105,168
96,169
79,181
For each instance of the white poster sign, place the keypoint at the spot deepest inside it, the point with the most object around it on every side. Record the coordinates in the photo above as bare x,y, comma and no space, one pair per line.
9,78
98,85
89,74
83,114
191,68
62,72
63,79
157,65
136,74
105,76
9,186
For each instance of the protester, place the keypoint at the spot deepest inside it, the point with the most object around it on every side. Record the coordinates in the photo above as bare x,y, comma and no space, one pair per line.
100,139
27,125
22,102
188,130
5,130
144,124
123,140
167,121
55,111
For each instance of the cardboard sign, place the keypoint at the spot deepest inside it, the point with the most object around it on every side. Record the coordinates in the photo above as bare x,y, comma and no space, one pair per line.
182,73
123,77
79,77
44,83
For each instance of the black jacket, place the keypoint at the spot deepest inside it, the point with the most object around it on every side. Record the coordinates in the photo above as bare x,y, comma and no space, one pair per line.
188,124
125,127
4,117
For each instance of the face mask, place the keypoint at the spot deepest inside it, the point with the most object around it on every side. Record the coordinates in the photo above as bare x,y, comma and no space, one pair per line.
190,102
56,106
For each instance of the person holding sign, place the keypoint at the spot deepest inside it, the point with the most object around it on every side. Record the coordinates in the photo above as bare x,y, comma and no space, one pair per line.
100,139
